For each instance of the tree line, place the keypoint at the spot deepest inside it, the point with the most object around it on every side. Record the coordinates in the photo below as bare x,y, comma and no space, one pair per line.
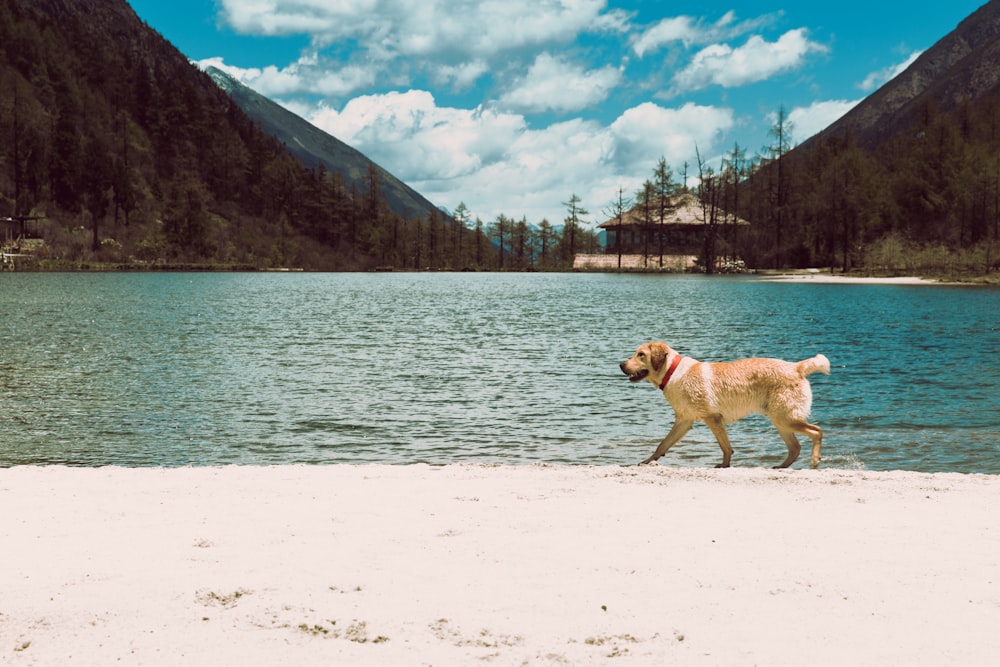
925,200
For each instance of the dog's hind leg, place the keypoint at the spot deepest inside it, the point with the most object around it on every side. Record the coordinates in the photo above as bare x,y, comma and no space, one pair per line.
718,428
793,446
815,434
677,431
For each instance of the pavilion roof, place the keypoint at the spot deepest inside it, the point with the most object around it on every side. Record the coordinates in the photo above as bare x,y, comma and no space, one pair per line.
682,209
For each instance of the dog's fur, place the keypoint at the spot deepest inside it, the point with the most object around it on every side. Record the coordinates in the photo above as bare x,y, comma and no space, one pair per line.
717,393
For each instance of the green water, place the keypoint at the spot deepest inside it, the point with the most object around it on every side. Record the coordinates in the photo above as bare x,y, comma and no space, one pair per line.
207,369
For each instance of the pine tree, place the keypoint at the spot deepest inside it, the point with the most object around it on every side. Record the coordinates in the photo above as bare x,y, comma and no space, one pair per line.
572,226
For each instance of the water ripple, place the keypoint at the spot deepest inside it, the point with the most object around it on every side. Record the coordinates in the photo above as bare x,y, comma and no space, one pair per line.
201,369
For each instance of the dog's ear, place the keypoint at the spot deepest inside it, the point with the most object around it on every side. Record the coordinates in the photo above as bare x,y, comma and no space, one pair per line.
658,355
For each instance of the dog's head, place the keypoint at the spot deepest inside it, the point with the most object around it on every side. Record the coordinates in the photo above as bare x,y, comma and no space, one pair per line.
649,358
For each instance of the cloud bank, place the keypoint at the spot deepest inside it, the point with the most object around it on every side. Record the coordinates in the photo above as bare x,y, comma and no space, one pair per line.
513,106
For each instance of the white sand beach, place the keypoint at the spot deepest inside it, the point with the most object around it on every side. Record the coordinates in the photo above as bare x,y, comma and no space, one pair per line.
818,277
503,565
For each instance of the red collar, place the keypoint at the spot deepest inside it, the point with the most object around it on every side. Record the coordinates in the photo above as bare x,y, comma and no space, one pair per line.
670,371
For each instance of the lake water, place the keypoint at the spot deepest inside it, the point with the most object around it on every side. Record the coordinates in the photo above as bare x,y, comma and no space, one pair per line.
208,369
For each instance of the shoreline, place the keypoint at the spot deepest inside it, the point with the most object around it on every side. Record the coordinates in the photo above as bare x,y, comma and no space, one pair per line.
823,277
817,276
535,564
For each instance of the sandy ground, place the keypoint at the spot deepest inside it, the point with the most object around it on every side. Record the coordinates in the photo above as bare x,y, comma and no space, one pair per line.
502,565
826,277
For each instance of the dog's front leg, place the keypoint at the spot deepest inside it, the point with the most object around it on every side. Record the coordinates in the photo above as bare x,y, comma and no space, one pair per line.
680,427
718,427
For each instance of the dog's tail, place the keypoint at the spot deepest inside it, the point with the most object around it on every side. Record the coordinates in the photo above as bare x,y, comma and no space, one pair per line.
818,364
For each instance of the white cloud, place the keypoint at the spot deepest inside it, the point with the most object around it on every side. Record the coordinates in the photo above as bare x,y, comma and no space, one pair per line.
675,29
284,17
615,21
372,63
497,163
553,84
807,121
460,76
356,44
690,31
339,82
648,131
238,73
417,140
756,60
542,168
386,29
880,77
306,76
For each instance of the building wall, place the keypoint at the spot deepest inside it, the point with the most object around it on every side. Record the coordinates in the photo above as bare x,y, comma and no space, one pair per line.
677,240
633,262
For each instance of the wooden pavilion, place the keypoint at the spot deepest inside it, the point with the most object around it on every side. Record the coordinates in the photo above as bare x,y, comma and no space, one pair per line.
679,235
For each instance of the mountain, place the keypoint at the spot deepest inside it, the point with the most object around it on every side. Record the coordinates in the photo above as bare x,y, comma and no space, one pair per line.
117,152
964,66
313,147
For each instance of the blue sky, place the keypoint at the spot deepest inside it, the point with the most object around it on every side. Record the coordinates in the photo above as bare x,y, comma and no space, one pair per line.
512,106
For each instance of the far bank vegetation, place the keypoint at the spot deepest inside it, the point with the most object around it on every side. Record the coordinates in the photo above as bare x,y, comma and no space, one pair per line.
137,159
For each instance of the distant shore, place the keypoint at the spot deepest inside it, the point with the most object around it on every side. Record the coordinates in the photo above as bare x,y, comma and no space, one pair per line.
28,264
503,565
819,277
826,276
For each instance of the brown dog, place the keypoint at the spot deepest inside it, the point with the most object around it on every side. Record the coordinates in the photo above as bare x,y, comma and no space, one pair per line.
717,393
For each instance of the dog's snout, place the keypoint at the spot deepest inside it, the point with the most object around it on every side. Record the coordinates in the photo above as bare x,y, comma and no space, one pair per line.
622,366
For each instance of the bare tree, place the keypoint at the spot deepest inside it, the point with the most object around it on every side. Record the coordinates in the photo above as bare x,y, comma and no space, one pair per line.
778,191
664,188
617,211
644,198
708,193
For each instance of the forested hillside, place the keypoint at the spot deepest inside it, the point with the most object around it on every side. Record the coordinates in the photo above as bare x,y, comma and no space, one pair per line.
908,180
314,147
132,155
926,200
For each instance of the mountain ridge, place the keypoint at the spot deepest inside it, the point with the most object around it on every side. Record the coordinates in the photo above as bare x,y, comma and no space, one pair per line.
117,152
312,146
963,65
